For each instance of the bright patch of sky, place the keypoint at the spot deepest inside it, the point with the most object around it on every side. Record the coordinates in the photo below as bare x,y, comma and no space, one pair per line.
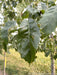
9,44
54,32
15,9
56,2
0,1
56,29
1,19
15,33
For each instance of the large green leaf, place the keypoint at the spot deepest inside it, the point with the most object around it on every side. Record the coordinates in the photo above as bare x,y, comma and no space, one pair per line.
4,32
10,24
51,3
49,20
4,35
28,39
33,8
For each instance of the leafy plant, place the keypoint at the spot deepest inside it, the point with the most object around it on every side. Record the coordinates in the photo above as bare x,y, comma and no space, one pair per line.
27,38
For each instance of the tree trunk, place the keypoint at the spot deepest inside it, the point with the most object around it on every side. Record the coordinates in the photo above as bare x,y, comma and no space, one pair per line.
4,62
52,65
